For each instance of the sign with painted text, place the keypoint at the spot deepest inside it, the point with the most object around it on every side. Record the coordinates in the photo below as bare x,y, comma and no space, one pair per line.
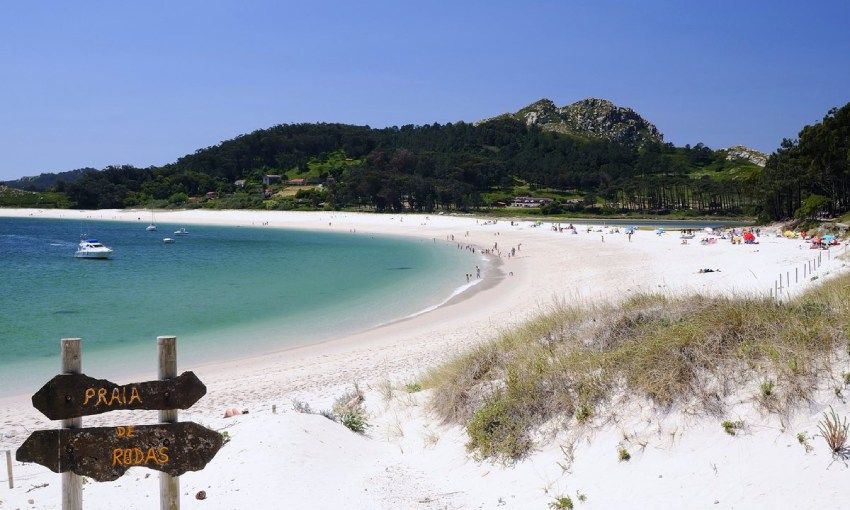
106,453
74,395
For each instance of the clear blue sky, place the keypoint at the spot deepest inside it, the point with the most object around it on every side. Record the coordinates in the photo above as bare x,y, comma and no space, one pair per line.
98,83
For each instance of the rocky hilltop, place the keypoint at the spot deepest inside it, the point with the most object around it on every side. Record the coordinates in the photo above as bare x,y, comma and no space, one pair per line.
742,152
591,117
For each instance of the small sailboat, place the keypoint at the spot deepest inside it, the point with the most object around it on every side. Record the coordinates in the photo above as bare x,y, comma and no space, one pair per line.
168,240
181,232
152,226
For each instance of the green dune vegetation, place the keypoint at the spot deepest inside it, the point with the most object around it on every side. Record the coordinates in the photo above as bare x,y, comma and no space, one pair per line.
574,364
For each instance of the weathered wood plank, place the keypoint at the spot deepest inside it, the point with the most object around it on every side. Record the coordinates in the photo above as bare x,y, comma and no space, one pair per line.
72,363
106,453
74,395
169,486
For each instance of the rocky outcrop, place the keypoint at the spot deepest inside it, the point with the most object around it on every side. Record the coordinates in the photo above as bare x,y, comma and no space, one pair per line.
742,152
592,117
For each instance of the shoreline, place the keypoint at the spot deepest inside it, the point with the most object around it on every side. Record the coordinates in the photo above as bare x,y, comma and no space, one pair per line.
491,276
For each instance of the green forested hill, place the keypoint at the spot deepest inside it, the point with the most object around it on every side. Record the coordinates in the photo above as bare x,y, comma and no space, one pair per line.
464,166
423,168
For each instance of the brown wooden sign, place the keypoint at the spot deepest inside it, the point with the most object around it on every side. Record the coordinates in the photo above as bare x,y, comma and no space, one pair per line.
74,395
106,453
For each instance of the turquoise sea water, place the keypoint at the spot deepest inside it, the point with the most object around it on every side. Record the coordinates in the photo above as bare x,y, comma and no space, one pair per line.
224,291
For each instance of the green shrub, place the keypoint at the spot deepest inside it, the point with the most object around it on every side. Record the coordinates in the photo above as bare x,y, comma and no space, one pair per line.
732,427
562,503
355,421
623,455
413,387
496,431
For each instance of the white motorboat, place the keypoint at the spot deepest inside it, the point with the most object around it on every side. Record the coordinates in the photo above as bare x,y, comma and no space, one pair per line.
181,232
92,249
167,240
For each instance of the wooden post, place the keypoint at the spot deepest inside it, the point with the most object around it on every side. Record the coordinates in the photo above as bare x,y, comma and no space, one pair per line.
169,486
72,485
9,469
780,280
787,278
796,275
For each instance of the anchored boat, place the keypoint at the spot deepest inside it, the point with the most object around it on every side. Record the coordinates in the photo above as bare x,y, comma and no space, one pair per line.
92,249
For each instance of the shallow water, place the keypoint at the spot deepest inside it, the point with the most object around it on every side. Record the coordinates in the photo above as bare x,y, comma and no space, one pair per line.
224,291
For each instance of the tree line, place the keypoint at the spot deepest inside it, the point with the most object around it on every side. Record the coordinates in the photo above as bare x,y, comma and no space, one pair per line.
811,175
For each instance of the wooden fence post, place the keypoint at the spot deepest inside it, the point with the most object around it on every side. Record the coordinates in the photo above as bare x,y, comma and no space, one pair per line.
9,469
796,275
169,486
72,485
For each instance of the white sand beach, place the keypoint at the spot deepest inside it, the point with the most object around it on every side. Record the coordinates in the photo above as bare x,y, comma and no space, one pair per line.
407,459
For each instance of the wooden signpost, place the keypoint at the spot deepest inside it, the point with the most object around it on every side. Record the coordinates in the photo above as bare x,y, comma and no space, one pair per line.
106,453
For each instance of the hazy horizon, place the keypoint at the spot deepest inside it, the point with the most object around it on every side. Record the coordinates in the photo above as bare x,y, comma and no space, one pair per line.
146,84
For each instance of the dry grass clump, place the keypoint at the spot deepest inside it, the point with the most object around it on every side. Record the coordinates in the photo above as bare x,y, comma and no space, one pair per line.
695,350
834,431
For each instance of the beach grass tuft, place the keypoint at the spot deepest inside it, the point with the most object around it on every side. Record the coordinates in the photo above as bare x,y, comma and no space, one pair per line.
834,431
695,350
